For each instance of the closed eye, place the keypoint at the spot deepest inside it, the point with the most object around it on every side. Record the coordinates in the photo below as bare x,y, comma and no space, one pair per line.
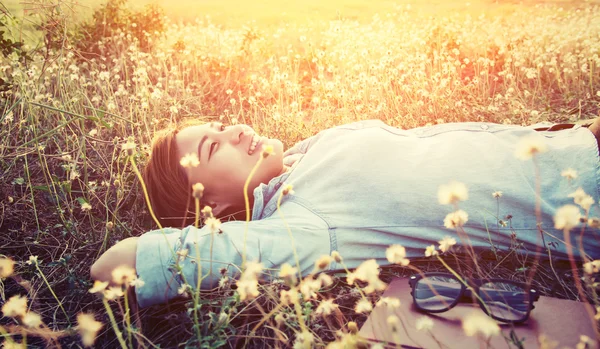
212,147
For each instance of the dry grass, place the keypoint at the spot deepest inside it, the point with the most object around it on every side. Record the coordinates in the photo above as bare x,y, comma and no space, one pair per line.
65,118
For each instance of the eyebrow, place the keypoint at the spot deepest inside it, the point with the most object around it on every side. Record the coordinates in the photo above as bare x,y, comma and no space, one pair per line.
212,125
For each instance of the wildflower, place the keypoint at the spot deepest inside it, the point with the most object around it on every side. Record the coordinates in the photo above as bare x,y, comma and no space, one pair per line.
7,267
88,328
113,292
123,275
248,282
424,323
15,306
591,267
288,189
567,217
394,323
189,160
289,297
391,302
110,226
323,262
368,271
336,256
207,211
137,283
325,280
197,191
85,207
430,251
267,150
214,224
569,173
99,286
452,192
446,243
497,194
327,307
397,254
582,199
304,340
288,273
32,260
529,146
223,281
129,147
309,287
32,320
183,290
363,306
477,322
456,219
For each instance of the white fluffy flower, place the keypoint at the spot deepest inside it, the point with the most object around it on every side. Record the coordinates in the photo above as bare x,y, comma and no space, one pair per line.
452,192
567,217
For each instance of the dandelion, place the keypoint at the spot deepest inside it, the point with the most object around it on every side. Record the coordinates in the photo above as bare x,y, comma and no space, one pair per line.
113,292
15,306
129,147
85,207
430,251
288,297
529,146
567,217
123,275
363,306
304,340
396,254
288,272
137,283
392,302
452,192
288,189
7,267
189,160
336,256
88,328
309,287
456,219
446,243
582,199
214,224
497,194
569,173
99,286
32,260
591,267
394,323
424,323
368,271
248,282
477,322
32,320
327,307
267,150
323,262
198,191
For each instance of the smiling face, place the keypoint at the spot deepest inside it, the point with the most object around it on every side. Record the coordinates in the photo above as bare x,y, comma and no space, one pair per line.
226,159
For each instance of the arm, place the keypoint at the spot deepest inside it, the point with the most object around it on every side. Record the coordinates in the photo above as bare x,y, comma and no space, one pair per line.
267,241
123,253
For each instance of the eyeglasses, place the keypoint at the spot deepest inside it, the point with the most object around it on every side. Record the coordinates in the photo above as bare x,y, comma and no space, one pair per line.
503,300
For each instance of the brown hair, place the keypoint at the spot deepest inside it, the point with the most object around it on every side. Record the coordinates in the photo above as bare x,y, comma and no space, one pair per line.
166,180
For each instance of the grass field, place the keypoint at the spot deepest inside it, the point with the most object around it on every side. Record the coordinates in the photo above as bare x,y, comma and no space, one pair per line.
74,98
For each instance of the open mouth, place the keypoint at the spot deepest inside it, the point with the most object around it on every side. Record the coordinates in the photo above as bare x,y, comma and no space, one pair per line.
254,143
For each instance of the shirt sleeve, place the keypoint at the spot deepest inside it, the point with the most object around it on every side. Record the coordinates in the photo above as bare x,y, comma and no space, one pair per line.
267,241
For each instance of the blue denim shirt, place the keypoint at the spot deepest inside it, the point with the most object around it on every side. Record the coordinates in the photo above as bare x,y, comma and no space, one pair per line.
361,187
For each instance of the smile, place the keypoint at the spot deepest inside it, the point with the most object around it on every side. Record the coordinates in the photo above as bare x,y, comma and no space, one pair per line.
255,140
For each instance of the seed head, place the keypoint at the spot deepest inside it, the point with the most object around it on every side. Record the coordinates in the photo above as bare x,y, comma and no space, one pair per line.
7,267
197,190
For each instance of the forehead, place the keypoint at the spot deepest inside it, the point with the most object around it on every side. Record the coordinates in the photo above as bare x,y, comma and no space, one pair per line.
190,136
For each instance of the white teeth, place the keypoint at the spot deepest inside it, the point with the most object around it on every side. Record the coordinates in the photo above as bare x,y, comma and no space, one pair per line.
255,139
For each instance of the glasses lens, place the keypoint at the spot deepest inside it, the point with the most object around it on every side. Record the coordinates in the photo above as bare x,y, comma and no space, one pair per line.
436,292
505,300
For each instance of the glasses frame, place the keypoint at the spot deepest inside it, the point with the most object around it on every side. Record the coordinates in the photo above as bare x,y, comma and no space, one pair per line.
464,291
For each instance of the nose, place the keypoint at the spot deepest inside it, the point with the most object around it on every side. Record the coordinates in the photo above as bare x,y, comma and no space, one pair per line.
237,133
